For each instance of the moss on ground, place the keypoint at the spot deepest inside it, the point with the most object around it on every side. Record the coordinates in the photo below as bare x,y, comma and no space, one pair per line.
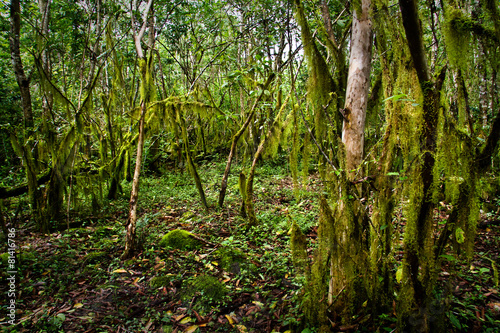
160,281
95,257
209,287
180,239
231,259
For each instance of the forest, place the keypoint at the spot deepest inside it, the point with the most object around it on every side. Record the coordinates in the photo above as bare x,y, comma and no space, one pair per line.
250,166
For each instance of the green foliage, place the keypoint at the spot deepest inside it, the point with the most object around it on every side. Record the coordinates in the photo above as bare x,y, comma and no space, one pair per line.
179,239
95,257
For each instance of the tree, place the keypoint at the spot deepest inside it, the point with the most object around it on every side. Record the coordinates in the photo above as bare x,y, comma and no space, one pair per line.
145,91
358,87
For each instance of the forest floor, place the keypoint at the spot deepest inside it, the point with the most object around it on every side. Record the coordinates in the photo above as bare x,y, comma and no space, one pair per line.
74,280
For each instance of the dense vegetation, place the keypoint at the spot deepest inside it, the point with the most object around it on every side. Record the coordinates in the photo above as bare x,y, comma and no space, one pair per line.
251,165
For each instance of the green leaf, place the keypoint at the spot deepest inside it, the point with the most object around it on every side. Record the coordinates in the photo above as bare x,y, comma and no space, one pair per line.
399,274
448,257
460,235
454,320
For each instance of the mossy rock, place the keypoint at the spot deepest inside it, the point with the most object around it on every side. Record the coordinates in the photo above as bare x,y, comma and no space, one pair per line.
95,257
209,287
180,239
160,281
231,259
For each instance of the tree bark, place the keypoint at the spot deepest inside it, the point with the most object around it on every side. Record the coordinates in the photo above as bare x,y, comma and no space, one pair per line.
15,53
418,256
28,152
358,86
131,245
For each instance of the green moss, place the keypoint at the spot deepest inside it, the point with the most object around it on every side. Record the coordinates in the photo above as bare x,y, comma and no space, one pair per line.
26,256
231,259
458,31
160,281
179,239
4,257
298,245
207,286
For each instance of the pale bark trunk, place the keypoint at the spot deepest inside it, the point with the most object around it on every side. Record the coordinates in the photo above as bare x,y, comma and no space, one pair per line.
131,245
358,85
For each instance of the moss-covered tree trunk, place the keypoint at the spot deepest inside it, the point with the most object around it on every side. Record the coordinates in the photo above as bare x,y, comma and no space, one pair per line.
26,148
419,264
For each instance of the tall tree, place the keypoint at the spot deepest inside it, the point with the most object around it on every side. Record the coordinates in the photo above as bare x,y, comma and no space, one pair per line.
145,91
26,147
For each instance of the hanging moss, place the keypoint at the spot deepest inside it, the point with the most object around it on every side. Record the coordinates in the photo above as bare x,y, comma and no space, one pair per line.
459,29
322,102
294,154
315,299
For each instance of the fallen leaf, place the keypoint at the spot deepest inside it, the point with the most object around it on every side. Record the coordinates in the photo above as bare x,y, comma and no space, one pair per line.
191,329
120,270
78,305
241,328
178,317
229,319
186,320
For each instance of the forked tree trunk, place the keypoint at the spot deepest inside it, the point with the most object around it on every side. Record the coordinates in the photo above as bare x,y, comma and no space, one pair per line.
130,241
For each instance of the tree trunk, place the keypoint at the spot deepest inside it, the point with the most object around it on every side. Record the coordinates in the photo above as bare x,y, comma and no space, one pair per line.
144,68
130,243
358,86
29,158
418,275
